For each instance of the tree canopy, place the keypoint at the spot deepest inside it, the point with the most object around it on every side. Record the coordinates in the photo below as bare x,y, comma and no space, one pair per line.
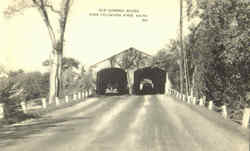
55,17
217,52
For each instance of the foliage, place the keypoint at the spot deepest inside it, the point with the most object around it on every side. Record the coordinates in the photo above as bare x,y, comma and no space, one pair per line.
74,81
55,16
130,59
218,51
67,63
167,59
87,81
20,86
27,86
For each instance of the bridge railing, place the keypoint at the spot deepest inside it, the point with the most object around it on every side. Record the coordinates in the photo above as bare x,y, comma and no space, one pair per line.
41,105
211,106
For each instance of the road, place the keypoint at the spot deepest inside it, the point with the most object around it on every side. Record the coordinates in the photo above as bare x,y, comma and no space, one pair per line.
127,123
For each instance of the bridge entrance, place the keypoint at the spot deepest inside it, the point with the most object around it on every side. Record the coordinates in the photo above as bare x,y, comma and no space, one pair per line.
111,81
149,81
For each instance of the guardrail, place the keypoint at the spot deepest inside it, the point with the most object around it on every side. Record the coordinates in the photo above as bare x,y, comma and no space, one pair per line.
42,104
211,106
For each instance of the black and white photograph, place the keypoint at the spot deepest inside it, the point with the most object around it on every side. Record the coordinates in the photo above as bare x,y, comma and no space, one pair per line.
131,75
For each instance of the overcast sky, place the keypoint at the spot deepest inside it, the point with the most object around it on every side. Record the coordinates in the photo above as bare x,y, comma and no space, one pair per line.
25,41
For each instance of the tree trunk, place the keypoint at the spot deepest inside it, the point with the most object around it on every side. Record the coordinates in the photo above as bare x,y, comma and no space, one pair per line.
55,76
193,83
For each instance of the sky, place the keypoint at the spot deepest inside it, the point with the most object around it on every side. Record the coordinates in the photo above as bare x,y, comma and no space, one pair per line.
25,42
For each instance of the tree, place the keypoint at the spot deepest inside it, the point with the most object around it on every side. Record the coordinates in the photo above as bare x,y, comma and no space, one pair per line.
87,81
8,90
68,73
49,9
67,63
27,86
218,51
168,60
131,59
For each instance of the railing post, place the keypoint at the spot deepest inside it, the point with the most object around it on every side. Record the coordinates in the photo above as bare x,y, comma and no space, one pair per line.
2,111
57,101
83,95
194,100
204,99
224,111
24,107
201,102
67,99
74,97
246,118
79,95
44,103
184,97
189,99
210,105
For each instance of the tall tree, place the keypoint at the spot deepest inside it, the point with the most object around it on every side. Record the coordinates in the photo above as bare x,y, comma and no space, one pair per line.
219,51
49,10
67,63
68,73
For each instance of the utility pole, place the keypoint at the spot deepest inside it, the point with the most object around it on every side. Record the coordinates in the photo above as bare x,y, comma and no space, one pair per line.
184,53
181,48
186,73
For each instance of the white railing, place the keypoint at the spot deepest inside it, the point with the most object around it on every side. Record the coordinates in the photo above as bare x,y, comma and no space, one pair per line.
201,102
43,103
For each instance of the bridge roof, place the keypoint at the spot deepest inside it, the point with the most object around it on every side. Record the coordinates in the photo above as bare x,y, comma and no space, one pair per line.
122,52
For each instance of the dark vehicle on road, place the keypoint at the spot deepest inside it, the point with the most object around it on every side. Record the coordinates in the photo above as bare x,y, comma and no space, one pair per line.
112,81
147,88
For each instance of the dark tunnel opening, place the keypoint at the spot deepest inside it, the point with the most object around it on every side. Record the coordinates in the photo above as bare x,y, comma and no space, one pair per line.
149,80
111,81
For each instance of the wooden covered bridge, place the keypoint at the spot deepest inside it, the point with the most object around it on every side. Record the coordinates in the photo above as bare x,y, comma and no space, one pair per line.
128,72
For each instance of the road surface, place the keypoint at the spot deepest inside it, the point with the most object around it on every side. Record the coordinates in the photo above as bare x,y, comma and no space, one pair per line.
127,123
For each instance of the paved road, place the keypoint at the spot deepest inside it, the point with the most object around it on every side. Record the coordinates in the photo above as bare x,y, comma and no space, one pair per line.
127,123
